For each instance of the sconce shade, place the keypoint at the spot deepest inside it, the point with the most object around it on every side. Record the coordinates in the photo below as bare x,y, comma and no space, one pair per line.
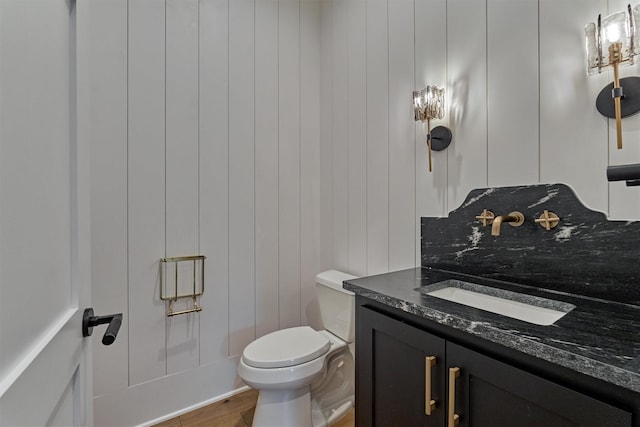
618,28
428,103
419,100
435,102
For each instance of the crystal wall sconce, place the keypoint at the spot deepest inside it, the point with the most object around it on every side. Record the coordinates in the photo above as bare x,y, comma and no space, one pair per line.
428,104
611,42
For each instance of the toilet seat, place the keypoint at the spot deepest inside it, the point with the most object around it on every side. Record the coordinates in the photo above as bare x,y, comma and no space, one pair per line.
286,347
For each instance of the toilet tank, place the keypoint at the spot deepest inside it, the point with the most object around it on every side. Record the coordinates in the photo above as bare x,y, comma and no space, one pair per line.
337,305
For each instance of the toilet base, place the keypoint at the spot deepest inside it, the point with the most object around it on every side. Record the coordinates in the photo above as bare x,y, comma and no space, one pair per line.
283,408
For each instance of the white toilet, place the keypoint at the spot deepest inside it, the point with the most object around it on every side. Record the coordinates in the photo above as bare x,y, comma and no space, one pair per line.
306,377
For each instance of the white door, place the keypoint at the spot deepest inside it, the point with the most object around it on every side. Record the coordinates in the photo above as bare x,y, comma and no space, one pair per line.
44,241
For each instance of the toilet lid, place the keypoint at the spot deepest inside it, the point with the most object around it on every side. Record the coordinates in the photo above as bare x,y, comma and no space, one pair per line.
287,347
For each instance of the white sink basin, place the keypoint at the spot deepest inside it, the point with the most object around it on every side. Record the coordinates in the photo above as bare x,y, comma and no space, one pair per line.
536,310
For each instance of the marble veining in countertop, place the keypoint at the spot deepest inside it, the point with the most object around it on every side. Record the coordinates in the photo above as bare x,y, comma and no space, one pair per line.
598,338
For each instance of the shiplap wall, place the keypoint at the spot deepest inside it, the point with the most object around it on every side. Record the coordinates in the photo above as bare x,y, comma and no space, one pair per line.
276,138
205,140
520,105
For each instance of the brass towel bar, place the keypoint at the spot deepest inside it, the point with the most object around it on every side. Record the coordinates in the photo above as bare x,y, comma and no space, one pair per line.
197,288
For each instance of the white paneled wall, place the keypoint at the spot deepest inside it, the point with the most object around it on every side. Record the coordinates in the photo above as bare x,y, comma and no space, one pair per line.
206,140
267,160
356,261
276,137
146,215
466,68
520,105
311,230
376,105
340,132
289,114
241,175
401,149
214,177
512,133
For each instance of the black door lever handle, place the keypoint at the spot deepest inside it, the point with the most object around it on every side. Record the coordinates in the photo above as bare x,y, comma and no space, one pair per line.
89,321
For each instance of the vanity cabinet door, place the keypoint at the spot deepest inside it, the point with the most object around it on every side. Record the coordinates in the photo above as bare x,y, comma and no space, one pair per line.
395,374
489,393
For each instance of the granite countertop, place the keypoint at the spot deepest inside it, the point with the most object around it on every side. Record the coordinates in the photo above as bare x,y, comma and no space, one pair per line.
598,338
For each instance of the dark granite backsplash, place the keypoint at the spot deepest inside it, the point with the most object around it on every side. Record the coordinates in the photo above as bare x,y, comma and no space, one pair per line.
585,254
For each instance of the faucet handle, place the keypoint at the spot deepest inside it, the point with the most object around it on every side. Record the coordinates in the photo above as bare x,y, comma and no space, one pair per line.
486,217
548,220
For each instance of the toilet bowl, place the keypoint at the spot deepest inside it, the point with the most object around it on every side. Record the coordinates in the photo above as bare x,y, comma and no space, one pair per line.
305,377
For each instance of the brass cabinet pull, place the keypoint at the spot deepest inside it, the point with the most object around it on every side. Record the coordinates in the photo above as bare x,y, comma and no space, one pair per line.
454,418
429,403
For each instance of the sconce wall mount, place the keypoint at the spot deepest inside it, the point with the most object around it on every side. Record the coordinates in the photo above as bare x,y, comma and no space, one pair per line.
629,100
441,137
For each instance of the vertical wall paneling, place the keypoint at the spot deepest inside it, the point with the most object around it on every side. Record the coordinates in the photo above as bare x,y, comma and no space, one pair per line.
289,161
309,158
146,171
377,137
402,208
109,186
340,137
182,178
431,69
573,135
624,202
266,115
467,79
326,134
357,136
512,77
241,175
214,178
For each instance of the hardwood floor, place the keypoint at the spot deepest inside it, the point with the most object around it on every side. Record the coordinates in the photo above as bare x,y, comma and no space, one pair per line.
237,411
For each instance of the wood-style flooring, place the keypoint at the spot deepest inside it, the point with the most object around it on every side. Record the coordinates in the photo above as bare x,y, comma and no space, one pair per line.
236,411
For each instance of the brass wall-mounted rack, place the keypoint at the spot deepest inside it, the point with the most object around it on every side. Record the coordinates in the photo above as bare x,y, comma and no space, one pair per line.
197,289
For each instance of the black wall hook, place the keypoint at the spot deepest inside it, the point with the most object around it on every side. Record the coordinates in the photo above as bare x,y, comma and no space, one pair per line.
89,321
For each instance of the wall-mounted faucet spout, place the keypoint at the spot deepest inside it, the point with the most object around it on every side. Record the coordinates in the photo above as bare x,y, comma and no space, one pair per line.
516,219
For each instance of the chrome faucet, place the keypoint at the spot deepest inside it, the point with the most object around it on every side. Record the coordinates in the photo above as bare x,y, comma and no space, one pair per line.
515,219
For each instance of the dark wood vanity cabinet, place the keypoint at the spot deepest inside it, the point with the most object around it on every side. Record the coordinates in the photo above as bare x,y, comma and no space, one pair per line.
396,374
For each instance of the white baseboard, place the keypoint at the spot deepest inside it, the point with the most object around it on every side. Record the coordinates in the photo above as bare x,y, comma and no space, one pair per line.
167,397
196,406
